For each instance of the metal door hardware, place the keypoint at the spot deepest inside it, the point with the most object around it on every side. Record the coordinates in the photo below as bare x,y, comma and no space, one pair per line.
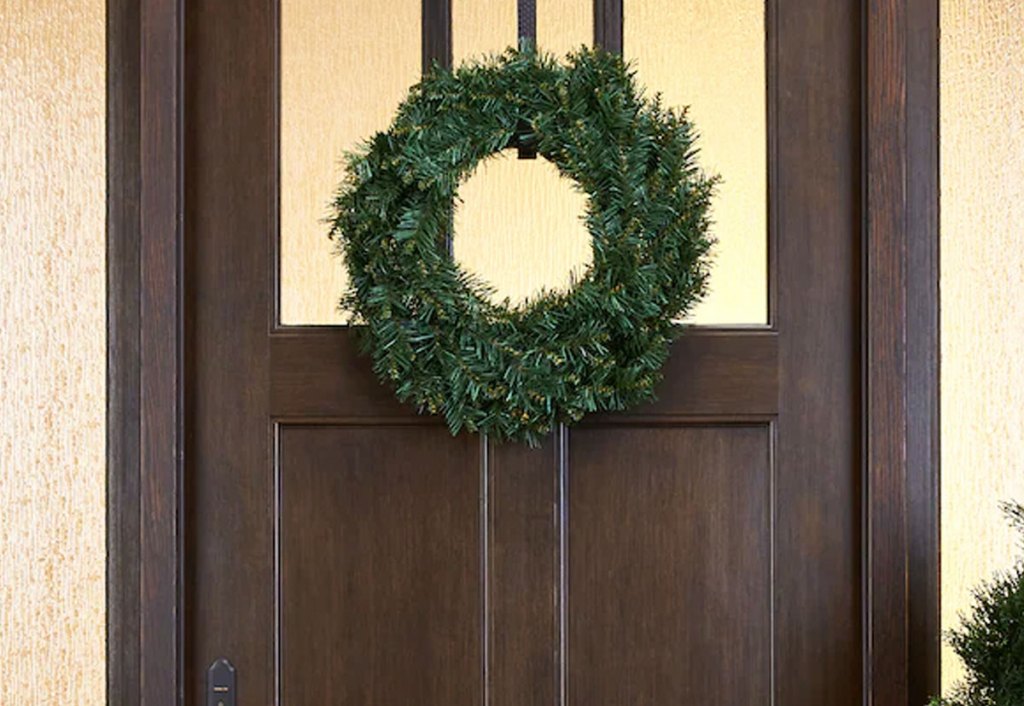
220,684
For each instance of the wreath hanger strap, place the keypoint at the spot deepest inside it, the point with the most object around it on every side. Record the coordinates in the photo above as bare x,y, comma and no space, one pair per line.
526,14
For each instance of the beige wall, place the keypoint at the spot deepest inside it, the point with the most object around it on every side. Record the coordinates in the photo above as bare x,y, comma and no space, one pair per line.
982,298
51,352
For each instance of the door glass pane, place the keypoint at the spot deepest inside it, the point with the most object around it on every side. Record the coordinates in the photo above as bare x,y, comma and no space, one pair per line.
518,227
345,66
518,224
710,55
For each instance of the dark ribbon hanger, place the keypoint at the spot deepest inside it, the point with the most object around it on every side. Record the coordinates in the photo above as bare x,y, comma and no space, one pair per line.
526,15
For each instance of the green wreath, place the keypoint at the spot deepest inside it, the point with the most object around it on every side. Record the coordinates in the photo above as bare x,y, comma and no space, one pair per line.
430,327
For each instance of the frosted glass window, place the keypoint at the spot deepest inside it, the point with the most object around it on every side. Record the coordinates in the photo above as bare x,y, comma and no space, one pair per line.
710,55
518,223
517,226
345,66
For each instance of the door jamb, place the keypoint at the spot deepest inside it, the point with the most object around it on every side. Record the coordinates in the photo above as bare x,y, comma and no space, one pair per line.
145,314
145,444
901,350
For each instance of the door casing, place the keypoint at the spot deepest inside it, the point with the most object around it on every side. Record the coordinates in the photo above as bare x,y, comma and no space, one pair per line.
146,300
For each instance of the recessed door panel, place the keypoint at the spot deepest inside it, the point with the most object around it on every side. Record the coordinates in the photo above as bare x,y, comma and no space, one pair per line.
379,562
670,541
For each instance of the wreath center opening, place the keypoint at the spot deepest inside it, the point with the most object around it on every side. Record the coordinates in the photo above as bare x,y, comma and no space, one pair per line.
519,227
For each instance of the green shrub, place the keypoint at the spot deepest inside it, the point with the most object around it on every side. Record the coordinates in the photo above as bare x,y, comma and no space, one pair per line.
991,639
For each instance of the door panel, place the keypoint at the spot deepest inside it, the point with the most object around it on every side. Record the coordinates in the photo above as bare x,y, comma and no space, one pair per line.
523,550
816,218
378,559
230,192
670,565
703,548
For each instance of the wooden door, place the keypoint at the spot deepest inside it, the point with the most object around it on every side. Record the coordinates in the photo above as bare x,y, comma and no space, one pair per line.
703,549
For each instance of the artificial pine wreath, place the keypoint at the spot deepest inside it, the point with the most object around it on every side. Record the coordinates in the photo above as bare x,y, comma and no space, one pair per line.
430,327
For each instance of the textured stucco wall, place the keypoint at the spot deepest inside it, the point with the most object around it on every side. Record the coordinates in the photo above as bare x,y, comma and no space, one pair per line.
982,116
51,352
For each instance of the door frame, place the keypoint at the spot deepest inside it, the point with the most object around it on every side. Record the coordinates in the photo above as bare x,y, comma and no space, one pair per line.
146,329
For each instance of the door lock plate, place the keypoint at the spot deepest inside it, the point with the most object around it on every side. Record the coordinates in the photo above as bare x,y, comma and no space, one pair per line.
220,684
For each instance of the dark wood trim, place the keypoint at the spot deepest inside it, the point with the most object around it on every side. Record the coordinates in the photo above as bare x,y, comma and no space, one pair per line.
161,452
526,21
923,380
885,354
772,107
145,441
145,444
437,33
901,351
608,25
308,375
123,360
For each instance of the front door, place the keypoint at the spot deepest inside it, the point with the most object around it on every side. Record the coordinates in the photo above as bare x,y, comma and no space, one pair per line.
704,549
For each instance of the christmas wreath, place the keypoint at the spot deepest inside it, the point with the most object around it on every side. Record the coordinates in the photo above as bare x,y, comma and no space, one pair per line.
430,327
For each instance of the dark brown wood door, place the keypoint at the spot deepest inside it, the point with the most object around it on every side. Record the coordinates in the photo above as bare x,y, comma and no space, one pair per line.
704,549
